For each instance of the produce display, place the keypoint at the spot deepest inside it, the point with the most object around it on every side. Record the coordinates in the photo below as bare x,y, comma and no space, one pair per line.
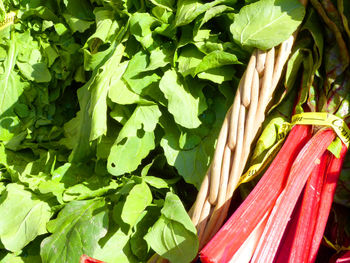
115,115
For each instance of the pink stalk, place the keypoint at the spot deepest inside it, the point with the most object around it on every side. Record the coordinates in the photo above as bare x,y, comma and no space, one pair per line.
87,259
328,190
298,241
260,201
246,251
344,258
305,162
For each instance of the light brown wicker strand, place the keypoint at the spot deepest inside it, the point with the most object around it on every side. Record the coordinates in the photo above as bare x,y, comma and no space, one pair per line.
265,88
250,121
247,83
260,61
225,172
203,222
201,197
232,138
217,161
236,163
216,214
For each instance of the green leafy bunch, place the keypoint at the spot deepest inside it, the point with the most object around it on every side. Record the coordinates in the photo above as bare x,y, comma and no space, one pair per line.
109,114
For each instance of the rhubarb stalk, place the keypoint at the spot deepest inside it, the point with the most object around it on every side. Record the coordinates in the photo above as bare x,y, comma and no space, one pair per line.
327,195
298,240
240,225
305,162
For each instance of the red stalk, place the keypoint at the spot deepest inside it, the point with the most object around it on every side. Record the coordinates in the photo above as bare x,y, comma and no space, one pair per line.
289,235
261,200
87,259
305,162
328,190
344,258
297,245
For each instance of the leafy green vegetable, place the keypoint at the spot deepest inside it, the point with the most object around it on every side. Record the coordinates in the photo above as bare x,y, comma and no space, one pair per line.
265,24
83,223
179,97
109,115
23,217
173,236
138,199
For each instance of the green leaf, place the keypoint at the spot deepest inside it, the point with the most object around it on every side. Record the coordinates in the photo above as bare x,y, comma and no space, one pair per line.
143,118
141,25
91,121
266,23
211,13
174,210
167,4
216,59
313,25
13,258
115,247
189,58
160,183
106,26
192,164
188,10
174,236
119,92
136,202
182,104
94,186
76,24
23,217
99,90
126,156
136,76
138,244
335,147
10,90
293,65
76,231
77,130
218,75
81,9
37,72
159,57
135,140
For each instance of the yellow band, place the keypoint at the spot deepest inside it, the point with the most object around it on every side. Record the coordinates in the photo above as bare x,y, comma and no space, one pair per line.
9,20
324,119
306,118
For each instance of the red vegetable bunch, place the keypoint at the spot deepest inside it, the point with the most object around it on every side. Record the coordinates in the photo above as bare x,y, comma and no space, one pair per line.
284,217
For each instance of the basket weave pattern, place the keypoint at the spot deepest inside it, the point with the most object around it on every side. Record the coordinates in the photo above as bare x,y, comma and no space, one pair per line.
239,129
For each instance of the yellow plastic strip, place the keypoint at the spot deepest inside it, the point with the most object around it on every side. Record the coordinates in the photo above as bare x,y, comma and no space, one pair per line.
306,118
324,119
257,168
9,20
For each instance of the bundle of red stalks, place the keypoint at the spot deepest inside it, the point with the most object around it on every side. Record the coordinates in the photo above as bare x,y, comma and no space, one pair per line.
279,221
284,217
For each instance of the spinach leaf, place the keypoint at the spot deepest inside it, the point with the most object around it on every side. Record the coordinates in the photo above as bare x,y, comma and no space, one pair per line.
179,97
173,236
24,217
82,223
266,23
